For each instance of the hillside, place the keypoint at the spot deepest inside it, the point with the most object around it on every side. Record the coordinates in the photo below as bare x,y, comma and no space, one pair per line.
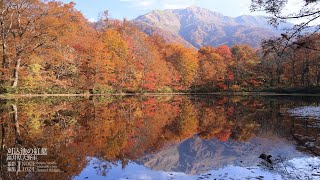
200,27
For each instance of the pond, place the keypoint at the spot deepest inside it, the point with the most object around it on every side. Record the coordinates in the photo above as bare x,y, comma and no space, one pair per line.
160,137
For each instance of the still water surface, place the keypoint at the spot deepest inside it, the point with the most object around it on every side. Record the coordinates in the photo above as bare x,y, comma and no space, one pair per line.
165,137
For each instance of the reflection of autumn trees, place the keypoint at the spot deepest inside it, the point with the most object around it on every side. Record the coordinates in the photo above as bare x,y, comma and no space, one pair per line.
223,118
185,125
213,123
127,128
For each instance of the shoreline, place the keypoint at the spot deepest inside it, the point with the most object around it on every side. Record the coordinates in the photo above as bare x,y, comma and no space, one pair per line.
12,96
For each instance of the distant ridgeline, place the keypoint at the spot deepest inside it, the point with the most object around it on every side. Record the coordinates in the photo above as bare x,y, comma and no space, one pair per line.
52,48
197,27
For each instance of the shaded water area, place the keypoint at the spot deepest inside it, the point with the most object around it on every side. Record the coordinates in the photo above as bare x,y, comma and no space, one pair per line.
161,137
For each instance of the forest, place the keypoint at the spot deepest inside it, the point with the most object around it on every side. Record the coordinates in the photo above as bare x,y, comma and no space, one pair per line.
51,48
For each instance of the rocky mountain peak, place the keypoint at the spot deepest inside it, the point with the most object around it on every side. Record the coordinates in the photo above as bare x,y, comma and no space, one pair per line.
202,27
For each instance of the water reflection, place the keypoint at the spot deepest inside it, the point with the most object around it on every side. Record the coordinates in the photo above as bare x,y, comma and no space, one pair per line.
182,134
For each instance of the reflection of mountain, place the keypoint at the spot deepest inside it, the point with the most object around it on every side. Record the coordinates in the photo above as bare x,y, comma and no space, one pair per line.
140,128
195,155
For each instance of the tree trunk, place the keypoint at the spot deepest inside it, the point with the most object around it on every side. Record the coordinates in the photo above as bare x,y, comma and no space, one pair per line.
4,55
293,71
307,72
16,123
318,75
16,72
3,44
4,31
278,72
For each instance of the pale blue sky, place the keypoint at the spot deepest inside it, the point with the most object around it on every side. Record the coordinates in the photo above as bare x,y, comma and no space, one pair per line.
130,9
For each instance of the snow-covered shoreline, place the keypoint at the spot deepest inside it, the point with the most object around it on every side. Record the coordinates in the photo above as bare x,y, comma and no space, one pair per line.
306,112
296,168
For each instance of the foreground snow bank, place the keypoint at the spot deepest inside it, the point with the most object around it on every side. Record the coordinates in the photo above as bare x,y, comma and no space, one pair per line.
302,168
306,112
297,168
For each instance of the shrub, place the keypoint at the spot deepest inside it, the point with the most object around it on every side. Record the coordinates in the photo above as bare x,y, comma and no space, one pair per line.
103,89
165,89
235,88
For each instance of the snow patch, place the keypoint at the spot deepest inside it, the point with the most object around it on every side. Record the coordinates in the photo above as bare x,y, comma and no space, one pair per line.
300,168
306,112
297,168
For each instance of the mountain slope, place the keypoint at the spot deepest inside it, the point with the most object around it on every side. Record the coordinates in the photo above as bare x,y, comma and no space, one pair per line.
201,27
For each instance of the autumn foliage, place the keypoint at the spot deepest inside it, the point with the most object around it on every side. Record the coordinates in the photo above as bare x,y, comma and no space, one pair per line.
51,48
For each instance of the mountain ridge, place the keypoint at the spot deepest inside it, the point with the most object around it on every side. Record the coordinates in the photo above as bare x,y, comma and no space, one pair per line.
196,27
